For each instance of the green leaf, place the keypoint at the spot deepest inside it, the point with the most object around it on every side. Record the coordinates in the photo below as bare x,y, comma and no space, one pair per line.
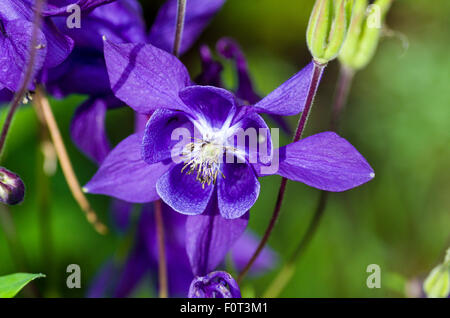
11,284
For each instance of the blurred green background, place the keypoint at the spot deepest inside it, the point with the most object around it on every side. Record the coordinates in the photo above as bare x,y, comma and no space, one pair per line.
397,117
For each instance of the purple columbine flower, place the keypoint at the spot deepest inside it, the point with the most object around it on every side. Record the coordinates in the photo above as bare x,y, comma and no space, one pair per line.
16,25
214,285
140,169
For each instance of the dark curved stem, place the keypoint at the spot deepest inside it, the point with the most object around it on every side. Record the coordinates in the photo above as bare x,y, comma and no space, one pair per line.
20,94
342,90
285,274
317,74
181,10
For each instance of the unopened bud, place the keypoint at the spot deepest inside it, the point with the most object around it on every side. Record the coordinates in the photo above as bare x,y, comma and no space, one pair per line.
12,189
364,33
214,285
327,28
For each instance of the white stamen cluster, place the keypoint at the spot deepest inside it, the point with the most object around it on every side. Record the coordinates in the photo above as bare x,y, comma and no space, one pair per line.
204,157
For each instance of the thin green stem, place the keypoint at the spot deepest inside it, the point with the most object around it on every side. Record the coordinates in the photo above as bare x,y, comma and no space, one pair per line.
317,74
288,270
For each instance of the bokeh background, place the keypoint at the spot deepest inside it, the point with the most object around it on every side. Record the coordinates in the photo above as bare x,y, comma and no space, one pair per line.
397,116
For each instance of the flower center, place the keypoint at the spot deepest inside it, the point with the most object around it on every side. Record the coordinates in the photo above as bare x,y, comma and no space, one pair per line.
204,157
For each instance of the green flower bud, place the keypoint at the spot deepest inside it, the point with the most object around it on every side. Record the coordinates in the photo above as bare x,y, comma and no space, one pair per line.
12,189
327,28
437,284
364,33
